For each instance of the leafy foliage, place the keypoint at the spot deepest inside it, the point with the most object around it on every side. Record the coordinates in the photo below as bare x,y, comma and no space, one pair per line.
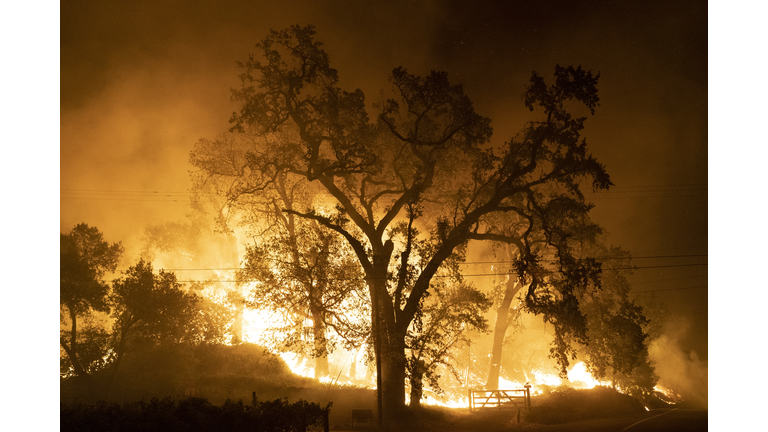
85,257
439,327
150,308
426,162
294,267
618,328
308,277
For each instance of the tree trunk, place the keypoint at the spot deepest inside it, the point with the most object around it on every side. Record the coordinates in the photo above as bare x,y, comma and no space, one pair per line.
392,377
317,309
500,330
234,261
389,340
320,352
417,384
72,349
353,367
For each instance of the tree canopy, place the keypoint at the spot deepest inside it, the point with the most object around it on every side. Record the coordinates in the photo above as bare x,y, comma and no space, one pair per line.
85,257
427,161
150,308
144,308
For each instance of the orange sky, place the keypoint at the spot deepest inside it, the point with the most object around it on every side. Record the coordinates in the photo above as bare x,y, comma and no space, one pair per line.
142,81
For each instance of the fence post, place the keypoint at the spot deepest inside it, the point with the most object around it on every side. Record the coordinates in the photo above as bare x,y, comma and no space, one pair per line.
528,396
469,398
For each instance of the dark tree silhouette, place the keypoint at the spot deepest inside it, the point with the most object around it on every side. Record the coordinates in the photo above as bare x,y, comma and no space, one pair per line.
306,273
295,267
438,328
426,160
510,288
85,257
150,309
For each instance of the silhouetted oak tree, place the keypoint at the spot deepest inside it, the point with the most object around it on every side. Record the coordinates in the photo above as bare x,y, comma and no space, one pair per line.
150,309
295,267
447,310
85,257
305,272
504,312
427,155
618,330
585,297
195,245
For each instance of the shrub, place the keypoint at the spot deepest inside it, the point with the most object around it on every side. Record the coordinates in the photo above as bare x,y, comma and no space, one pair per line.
565,404
191,415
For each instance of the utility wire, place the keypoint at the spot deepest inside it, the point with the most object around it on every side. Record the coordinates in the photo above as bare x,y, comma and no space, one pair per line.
668,280
617,192
670,289
464,275
639,188
463,263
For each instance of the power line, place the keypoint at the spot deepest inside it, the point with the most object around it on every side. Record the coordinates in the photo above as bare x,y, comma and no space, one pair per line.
616,192
448,276
636,188
467,263
127,199
687,246
120,192
124,195
599,259
671,289
668,280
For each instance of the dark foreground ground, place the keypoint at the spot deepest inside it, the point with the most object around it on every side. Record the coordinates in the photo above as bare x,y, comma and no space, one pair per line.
459,420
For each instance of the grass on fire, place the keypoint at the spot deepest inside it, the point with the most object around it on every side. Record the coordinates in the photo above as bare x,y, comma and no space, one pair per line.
218,373
215,373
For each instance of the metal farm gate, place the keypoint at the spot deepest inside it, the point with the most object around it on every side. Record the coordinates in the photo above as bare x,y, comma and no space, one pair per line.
517,398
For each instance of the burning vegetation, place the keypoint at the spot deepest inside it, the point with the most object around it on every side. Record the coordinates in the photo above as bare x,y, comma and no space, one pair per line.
406,254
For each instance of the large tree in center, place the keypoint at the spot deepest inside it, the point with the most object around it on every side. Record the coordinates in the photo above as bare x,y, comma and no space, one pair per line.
426,162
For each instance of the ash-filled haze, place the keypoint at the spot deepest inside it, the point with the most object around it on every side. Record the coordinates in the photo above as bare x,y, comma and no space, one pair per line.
142,81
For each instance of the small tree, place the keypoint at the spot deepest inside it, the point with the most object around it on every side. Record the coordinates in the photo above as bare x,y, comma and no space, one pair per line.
307,274
85,258
295,267
617,327
505,298
149,309
450,309
197,251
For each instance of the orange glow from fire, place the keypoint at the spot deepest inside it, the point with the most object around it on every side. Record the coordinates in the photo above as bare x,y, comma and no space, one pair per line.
546,379
581,378
509,385
448,403
669,396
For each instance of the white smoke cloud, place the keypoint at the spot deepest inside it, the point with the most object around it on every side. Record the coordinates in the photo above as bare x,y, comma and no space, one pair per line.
683,372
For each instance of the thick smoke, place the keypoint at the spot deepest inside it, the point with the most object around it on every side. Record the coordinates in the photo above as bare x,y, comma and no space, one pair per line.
679,370
142,83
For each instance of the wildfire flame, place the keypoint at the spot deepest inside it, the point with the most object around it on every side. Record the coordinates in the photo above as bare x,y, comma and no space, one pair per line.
669,396
546,379
448,403
579,374
509,385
